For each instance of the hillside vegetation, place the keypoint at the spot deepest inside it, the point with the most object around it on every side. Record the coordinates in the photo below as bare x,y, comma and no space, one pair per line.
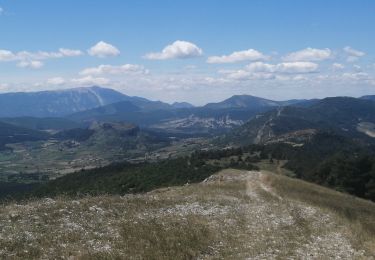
232,215
330,160
46,123
127,178
342,115
15,134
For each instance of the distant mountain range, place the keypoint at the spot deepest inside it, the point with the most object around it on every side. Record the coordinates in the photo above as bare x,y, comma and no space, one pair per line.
369,97
251,102
243,101
71,108
183,117
187,119
182,105
65,102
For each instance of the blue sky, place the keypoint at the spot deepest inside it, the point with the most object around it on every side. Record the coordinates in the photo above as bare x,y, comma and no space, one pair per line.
274,49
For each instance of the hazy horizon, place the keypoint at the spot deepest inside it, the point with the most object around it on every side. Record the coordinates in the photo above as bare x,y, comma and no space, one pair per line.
170,102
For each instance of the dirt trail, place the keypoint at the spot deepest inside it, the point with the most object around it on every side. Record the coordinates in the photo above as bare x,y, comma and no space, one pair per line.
312,230
256,182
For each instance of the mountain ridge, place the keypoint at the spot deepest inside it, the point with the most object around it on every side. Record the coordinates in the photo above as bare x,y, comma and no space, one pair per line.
341,114
57,103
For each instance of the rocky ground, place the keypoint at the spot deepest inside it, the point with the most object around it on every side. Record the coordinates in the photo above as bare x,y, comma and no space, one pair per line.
231,215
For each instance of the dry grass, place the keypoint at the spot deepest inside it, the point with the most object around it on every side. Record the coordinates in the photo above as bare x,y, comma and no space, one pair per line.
357,215
233,215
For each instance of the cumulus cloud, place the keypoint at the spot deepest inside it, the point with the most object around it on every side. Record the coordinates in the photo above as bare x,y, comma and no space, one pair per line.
357,67
190,67
176,50
356,76
247,75
82,81
43,55
34,64
284,67
261,67
70,52
352,58
337,66
261,70
56,81
297,67
115,70
237,56
353,54
27,59
4,87
103,50
90,80
309,54
6,55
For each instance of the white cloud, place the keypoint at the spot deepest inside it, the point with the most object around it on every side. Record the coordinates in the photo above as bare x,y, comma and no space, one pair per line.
70,52
1,11
176,50
338,66
352,58
261,71
40,55
247,75
284,67
309,54
90,80
56,81
297,67
356,76
4,87
6,55
43,55
115,70
103,50
260,67
357,68
353,54
299,78
33,60
34,64
190,67
246,55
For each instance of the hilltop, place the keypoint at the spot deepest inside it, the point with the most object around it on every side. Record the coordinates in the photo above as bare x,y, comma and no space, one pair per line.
232,214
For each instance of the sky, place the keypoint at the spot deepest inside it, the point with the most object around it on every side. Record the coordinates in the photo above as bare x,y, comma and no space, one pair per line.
197,51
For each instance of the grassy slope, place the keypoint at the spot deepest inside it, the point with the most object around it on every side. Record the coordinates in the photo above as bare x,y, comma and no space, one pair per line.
234,214
356,214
